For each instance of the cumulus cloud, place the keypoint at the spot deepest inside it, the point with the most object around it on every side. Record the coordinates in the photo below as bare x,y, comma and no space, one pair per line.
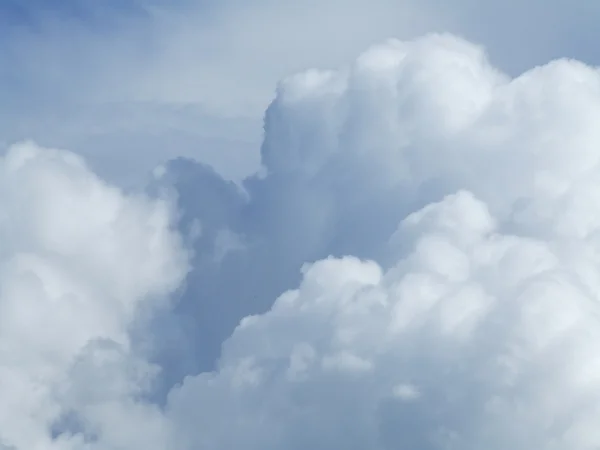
415,266
348,154
465,313
82,267
475,339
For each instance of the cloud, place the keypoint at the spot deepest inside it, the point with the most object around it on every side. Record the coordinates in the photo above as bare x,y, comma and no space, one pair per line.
415,266
82,268
345,157
474,339
75,73
459,307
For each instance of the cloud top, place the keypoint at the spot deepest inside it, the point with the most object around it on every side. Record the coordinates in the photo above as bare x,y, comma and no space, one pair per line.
466,316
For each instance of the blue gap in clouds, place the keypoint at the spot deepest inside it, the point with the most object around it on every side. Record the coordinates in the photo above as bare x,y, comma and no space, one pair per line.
32,13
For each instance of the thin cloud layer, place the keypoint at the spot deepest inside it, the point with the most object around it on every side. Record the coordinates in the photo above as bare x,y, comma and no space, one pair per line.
75,72
475,324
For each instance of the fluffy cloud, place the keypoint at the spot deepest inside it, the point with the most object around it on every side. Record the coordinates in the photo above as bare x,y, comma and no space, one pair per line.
349,153
472,324
82,267
474,339
459,309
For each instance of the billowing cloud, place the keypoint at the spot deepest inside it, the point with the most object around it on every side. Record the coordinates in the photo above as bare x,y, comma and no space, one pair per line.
464,315
415,266
475,339
82,267
349,153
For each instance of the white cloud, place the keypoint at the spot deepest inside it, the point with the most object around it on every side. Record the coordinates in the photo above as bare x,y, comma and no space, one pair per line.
476,326
81,266
503,356
465,315
347,155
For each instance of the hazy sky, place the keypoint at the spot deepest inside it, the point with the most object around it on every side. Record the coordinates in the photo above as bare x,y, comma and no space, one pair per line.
163,79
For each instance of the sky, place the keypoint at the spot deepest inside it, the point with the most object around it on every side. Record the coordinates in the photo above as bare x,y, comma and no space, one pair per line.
194,77
286,225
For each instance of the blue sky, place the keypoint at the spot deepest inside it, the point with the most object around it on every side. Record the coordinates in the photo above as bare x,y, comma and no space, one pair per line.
34,12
